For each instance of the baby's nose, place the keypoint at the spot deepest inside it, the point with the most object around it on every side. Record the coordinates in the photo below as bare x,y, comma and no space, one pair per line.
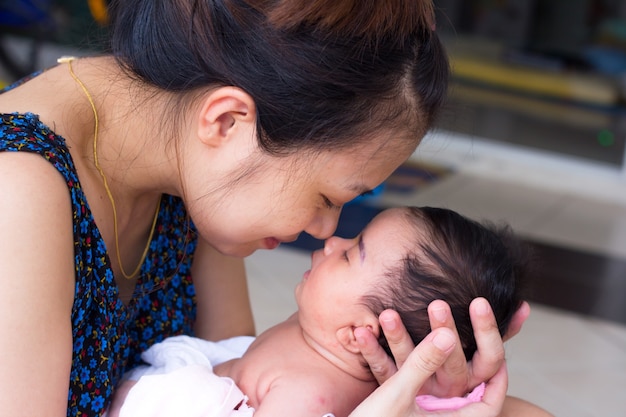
330,244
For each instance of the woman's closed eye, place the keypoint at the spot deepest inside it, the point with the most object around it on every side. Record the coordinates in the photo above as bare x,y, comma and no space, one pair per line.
367,193
329,204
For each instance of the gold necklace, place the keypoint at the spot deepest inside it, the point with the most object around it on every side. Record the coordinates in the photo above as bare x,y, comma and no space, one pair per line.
69,60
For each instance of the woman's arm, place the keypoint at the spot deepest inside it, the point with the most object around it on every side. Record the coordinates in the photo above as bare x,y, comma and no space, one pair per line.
516,407
36,287
224,308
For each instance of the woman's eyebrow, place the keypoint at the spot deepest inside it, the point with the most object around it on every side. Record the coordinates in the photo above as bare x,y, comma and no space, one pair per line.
360,188
361,248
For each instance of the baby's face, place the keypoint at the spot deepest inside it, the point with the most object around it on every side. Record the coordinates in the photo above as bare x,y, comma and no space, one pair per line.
345,270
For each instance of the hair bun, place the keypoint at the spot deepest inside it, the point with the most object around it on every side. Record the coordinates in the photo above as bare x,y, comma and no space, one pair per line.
370,19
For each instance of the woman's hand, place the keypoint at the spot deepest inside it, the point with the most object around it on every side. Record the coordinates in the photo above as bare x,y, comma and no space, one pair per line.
396,397
455,377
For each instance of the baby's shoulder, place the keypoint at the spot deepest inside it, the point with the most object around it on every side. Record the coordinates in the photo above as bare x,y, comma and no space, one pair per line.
314,392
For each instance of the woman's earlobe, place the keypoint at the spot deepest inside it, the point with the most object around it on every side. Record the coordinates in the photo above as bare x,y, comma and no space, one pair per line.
221,112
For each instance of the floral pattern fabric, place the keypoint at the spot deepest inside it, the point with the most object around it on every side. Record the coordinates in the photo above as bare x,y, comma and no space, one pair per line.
109,336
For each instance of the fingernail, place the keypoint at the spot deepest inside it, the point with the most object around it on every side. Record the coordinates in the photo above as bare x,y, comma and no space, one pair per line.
388,324
440,314
443,341
482,308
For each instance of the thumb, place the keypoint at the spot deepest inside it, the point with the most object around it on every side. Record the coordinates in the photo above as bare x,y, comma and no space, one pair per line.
426,358
396,396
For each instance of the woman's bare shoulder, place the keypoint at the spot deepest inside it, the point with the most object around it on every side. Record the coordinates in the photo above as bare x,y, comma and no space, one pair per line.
35,215
37,284
27,179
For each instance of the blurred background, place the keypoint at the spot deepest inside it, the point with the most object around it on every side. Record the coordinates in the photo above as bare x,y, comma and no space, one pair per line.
34,31
553,72
533,134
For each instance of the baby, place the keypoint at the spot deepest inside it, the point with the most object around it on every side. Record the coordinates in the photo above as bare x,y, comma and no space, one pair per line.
310,364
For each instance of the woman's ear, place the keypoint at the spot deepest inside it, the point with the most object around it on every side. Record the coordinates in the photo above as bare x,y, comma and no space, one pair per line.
346,337
225,111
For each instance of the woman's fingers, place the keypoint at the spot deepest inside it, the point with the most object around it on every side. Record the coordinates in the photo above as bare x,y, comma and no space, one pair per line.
436,362
495,391
398,339
492,402
489,356
426,358
396,397
453,376
381,365
400,343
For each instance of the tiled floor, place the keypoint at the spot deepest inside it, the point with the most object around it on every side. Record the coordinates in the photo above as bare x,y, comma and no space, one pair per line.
570,364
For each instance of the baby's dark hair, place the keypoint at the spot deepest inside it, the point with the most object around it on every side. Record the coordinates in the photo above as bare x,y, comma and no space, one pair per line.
324,74
456,260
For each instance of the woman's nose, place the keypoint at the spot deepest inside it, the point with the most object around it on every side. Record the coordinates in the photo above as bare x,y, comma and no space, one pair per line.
324,225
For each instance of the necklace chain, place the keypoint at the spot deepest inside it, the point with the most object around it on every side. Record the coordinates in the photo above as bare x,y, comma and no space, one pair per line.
69,60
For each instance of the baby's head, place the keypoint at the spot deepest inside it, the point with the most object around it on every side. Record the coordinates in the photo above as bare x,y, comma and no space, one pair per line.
455,259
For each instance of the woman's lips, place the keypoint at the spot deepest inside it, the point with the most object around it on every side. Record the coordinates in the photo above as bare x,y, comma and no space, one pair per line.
271,243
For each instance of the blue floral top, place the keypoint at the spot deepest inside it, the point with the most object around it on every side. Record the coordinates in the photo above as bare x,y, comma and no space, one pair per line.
108,336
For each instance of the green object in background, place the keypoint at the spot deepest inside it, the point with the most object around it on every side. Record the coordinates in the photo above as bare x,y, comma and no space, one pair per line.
606,138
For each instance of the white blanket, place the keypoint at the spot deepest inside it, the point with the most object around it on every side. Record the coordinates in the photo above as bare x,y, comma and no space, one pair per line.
179,380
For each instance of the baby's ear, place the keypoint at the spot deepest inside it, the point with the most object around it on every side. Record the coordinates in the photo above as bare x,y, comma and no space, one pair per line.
345,335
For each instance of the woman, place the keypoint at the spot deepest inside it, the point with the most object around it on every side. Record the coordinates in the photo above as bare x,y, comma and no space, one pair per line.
214,129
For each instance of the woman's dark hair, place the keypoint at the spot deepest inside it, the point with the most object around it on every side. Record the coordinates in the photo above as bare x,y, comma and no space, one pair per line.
456,260
324,74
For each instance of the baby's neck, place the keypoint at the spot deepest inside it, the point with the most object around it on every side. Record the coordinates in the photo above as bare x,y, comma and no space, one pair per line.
333,351
285,353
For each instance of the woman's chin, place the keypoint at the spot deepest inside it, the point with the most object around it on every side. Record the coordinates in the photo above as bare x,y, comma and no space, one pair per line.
247,249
